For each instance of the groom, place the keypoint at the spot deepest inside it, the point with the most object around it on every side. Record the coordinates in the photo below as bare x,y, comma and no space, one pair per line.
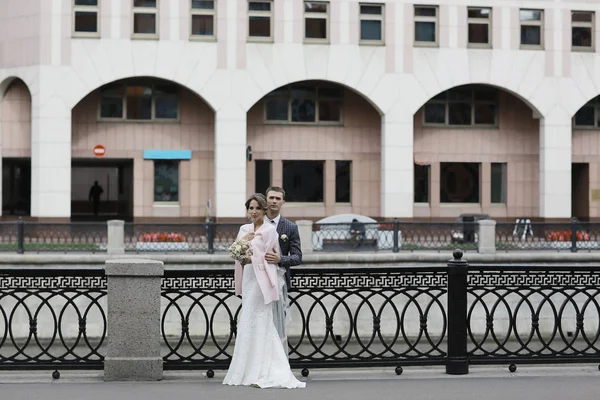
289,238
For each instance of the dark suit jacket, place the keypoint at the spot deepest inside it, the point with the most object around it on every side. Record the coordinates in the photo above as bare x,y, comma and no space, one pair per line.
291,252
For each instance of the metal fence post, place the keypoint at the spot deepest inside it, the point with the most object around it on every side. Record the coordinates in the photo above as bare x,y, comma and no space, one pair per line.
396,245
20,236
573,235
457,362
210,237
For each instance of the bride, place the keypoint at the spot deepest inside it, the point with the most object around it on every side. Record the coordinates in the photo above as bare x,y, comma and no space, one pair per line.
259,357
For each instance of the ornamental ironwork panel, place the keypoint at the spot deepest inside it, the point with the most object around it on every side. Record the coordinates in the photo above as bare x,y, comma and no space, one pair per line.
52,319
533,315
337,317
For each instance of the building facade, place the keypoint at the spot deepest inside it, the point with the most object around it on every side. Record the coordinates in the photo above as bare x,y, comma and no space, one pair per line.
182,108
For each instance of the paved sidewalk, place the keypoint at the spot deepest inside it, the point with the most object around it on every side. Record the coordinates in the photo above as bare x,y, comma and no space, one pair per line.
580,382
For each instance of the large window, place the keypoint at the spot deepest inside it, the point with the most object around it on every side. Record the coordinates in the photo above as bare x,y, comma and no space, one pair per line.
421,194
203,20
532,29
260,21
588,116
498,183
371,23
459,182
306,103
582,30
316,21
139,101
262,175
480,21
303,181
426,26
145,19
463,106
342,181
85,18
166,181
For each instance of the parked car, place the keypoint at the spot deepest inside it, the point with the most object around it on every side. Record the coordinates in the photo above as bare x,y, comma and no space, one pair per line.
466,228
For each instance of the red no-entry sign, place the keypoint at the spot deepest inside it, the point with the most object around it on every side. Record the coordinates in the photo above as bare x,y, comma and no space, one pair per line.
99,150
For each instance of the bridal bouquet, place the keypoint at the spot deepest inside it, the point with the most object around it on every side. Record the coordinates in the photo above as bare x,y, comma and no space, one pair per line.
240,250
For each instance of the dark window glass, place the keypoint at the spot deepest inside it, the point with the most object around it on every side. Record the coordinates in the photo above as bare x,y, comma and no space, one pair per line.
144,3
259,26
342,181
425,31
203,25
111,107
262,175
531,35
144,23
139,102
315,28
370,10
485,114
435,113
370,30
582,36
166,180
459,114
498,183
329,111
86,2
459,183
166,107
259,6
203,5
479,33
277,109
303,181
425,11
421,184
86,21
585,116
303,110
315,7
482,13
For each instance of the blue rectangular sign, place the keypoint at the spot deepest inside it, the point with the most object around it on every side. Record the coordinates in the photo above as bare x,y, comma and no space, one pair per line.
167,154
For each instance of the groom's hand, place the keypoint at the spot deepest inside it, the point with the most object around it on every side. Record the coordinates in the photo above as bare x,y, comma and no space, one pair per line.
273,257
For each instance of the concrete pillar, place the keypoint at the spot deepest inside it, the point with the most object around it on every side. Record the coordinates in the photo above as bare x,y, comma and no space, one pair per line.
555,164
487,236
397,164
230,161
305,229
116,236
50,149
133,328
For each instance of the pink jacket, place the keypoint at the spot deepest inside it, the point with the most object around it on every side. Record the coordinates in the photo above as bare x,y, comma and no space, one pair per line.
265,239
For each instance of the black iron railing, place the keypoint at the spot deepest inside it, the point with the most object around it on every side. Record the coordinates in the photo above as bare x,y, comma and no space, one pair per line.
453,315
556,236
52,318
395,236
211,237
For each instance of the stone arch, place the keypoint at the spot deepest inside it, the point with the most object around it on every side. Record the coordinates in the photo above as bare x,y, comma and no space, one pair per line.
272,87
15,145
347,152
81,92
533,106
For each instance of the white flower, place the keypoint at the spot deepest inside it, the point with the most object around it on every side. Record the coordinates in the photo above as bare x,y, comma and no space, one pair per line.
283,237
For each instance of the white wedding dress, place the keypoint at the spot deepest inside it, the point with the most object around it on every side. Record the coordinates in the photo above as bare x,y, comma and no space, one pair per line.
259,358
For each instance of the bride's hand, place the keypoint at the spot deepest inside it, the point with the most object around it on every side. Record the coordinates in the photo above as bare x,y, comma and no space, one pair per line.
249,236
